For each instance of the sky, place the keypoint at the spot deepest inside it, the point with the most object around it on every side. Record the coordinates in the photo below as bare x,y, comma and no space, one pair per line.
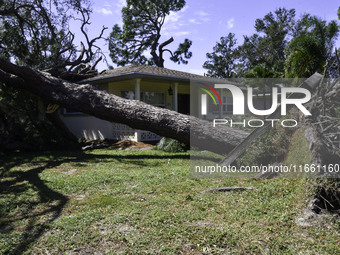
205,21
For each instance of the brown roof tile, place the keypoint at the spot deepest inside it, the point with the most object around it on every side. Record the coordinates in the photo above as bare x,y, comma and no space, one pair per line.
135,71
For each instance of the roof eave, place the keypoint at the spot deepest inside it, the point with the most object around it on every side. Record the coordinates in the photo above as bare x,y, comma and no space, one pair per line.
136,75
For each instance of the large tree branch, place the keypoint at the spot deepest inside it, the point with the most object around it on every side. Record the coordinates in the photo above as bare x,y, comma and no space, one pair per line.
161,50
91,100
86,54
167,42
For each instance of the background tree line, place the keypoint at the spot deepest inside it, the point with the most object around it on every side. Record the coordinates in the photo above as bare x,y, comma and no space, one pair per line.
282,47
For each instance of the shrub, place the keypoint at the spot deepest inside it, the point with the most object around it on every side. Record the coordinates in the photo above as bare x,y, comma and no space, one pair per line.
170,145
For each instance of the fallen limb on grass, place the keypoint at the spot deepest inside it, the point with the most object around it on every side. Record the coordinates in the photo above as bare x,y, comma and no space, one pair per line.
225,189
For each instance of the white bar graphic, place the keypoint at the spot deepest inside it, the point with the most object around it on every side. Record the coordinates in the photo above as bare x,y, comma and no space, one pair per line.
204,104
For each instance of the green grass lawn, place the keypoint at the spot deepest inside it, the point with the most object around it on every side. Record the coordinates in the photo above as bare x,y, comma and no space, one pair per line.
144,202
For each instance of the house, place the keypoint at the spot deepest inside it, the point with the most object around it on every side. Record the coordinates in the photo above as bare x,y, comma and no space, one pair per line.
157,86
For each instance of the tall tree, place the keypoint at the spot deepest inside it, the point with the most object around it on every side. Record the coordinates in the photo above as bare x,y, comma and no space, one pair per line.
221,62
248,54
267,46
276,28
309,50
36,34
141,34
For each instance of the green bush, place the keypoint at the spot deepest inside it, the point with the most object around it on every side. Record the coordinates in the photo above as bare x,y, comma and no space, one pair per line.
170,145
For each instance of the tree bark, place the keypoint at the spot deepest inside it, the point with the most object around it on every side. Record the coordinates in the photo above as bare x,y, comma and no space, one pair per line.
93,101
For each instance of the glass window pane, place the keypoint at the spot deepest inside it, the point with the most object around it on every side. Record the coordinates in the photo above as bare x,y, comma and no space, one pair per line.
128,95
153,98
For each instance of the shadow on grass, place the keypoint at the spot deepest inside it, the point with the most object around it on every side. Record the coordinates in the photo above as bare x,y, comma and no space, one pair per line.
28,205
138,160
79,156
24,219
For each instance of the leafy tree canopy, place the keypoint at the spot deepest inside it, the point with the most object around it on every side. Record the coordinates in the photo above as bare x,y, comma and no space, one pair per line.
281,47
267,46
141,34
36,34
311,48
221,62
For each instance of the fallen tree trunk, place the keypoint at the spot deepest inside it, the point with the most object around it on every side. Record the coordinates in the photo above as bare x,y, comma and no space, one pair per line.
101,104
322,133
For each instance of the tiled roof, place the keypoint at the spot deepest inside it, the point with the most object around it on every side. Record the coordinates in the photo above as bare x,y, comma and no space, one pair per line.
153,70
140,71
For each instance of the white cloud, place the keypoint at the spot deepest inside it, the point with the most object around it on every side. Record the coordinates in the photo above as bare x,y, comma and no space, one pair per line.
202,13
180,33
104,11
107,4
200,17
231,23
175,16
194,21
119,6
173,23
121,3
205,19
147,54
118,10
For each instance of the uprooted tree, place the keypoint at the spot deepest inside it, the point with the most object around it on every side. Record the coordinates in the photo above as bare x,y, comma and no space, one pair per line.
46,63
91,100
323,136
67,64
37,34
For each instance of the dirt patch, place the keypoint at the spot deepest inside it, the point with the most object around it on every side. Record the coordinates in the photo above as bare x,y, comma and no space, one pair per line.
322,217
203,224
69,171
128,232
116,145
80,197
130,145
126,229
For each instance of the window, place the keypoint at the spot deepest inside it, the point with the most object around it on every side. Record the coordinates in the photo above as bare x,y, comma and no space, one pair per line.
128,94
227,105
153,98
227,102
